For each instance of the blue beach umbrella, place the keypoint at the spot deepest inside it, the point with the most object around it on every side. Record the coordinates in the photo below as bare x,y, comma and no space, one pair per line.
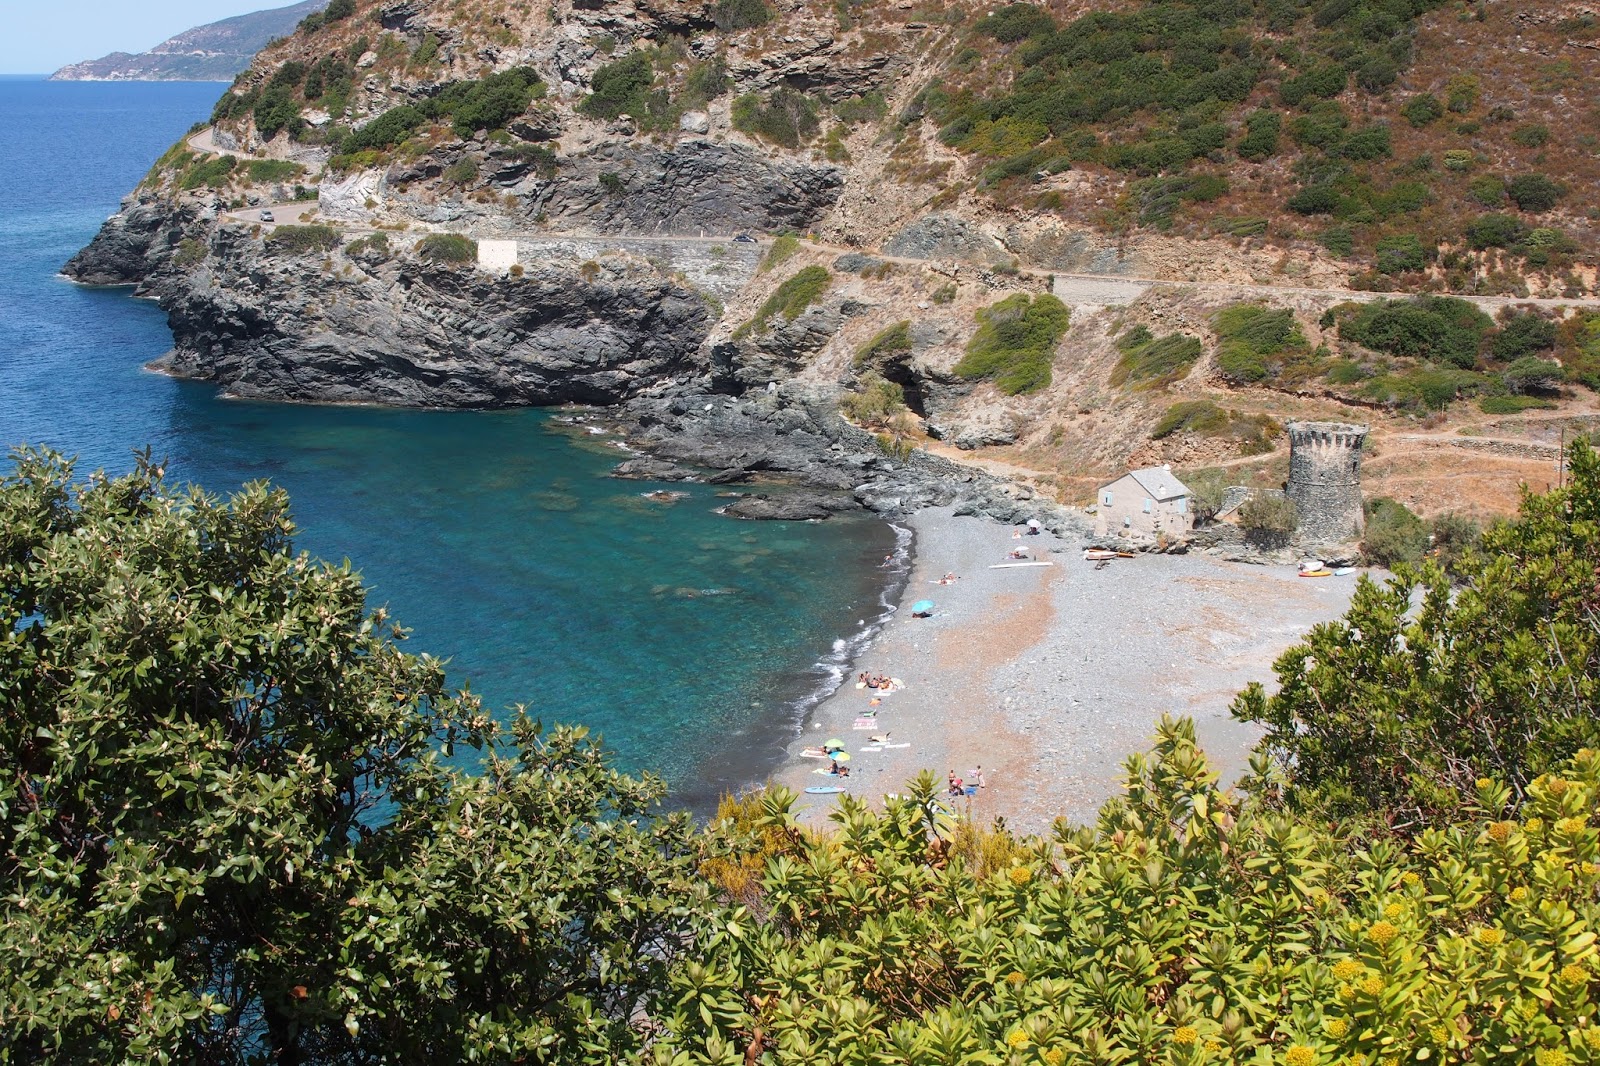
922,607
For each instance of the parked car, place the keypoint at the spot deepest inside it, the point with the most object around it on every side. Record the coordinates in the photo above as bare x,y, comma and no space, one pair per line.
744,238
266,216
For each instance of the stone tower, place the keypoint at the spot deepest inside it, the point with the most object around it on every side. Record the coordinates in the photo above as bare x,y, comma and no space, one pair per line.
1325,480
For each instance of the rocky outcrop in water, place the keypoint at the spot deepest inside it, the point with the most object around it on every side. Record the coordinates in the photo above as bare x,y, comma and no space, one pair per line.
370,326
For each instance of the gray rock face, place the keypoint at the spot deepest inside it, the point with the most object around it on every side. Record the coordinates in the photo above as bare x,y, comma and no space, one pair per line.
697,187
790,507
138,241
941,236
394,330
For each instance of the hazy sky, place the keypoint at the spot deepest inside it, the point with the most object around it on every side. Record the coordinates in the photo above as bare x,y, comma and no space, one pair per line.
43,35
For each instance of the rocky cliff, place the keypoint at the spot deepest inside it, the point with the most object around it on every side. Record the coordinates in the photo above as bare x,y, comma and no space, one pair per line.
481,205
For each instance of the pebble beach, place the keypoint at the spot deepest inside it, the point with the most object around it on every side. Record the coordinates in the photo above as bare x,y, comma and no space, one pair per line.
1048,677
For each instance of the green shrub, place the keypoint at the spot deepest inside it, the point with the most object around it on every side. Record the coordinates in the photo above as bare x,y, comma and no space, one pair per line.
1149,361
1532,374
619,87
886,344
779,252
1534,192
1422,110
261,171
385,131
784,117
1452,537
1347,372
463,172
1530,136
874,402
1512,405
1440,328
1424,388
1522,334
1338,240
1015,343
1159,198
301,239
1495,231
1487,190
1315,200
733,15
1191,416
447,248
1260,140
1369,142
1322,126
1400,254
214,173
1393,534
1268,518
789,299
1255,342
372,246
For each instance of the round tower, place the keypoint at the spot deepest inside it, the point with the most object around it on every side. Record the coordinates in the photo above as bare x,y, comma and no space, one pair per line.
1325,479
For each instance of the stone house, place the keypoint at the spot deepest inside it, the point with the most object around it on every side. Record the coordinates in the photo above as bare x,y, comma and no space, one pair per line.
1147,501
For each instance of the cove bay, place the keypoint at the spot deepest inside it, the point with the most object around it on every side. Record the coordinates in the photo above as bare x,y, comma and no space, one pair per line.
690,640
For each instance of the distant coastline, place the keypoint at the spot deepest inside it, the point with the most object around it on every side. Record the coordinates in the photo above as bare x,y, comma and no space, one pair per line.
214,52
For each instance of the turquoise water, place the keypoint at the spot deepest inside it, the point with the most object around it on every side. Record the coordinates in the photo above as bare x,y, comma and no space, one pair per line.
689,640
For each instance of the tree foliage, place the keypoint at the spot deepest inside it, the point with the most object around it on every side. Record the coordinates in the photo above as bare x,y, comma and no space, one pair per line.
1015,342
228,832
1399,712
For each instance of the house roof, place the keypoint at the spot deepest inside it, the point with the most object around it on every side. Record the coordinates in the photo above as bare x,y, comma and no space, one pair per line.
1159,483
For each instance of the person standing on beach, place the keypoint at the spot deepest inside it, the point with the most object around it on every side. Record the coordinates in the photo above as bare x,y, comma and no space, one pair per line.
977,777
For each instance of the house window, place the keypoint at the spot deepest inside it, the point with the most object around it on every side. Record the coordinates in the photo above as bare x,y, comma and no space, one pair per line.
1183,504
1105,498
1149,505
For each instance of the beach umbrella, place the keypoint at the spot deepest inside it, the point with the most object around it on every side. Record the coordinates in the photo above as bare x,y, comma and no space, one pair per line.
832,745
1033,523
839,756
922,607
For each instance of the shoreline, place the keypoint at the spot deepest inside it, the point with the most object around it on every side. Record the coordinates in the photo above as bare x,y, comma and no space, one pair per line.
1048,677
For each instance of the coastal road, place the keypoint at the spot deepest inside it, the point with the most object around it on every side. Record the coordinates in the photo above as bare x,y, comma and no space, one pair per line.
1075,289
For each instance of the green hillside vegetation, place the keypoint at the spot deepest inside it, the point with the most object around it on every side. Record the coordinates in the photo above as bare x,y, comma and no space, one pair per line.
1149,361
1254,432
1016,343
1257,344
796,293
231,831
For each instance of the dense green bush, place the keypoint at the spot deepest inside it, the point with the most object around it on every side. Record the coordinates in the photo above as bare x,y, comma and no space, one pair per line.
214,173
1158,199
1015,343
1400,253
1191,416
1269,518
1522,334
1260,140
784,117
732,15
234,833
886,345
1534,192
789,299
1452,536
262,171
1495,231
1532,374
1512,405
447,248
1440,328
780,251
874,402
300,239
1422,110
1407,708
1393,533
1255,343
1149,361
619,87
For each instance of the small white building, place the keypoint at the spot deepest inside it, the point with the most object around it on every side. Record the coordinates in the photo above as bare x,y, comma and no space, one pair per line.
1148,501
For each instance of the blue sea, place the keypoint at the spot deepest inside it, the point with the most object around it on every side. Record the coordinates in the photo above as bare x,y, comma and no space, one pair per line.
690,641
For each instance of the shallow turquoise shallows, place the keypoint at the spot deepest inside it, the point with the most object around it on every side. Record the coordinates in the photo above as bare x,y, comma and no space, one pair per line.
689,640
